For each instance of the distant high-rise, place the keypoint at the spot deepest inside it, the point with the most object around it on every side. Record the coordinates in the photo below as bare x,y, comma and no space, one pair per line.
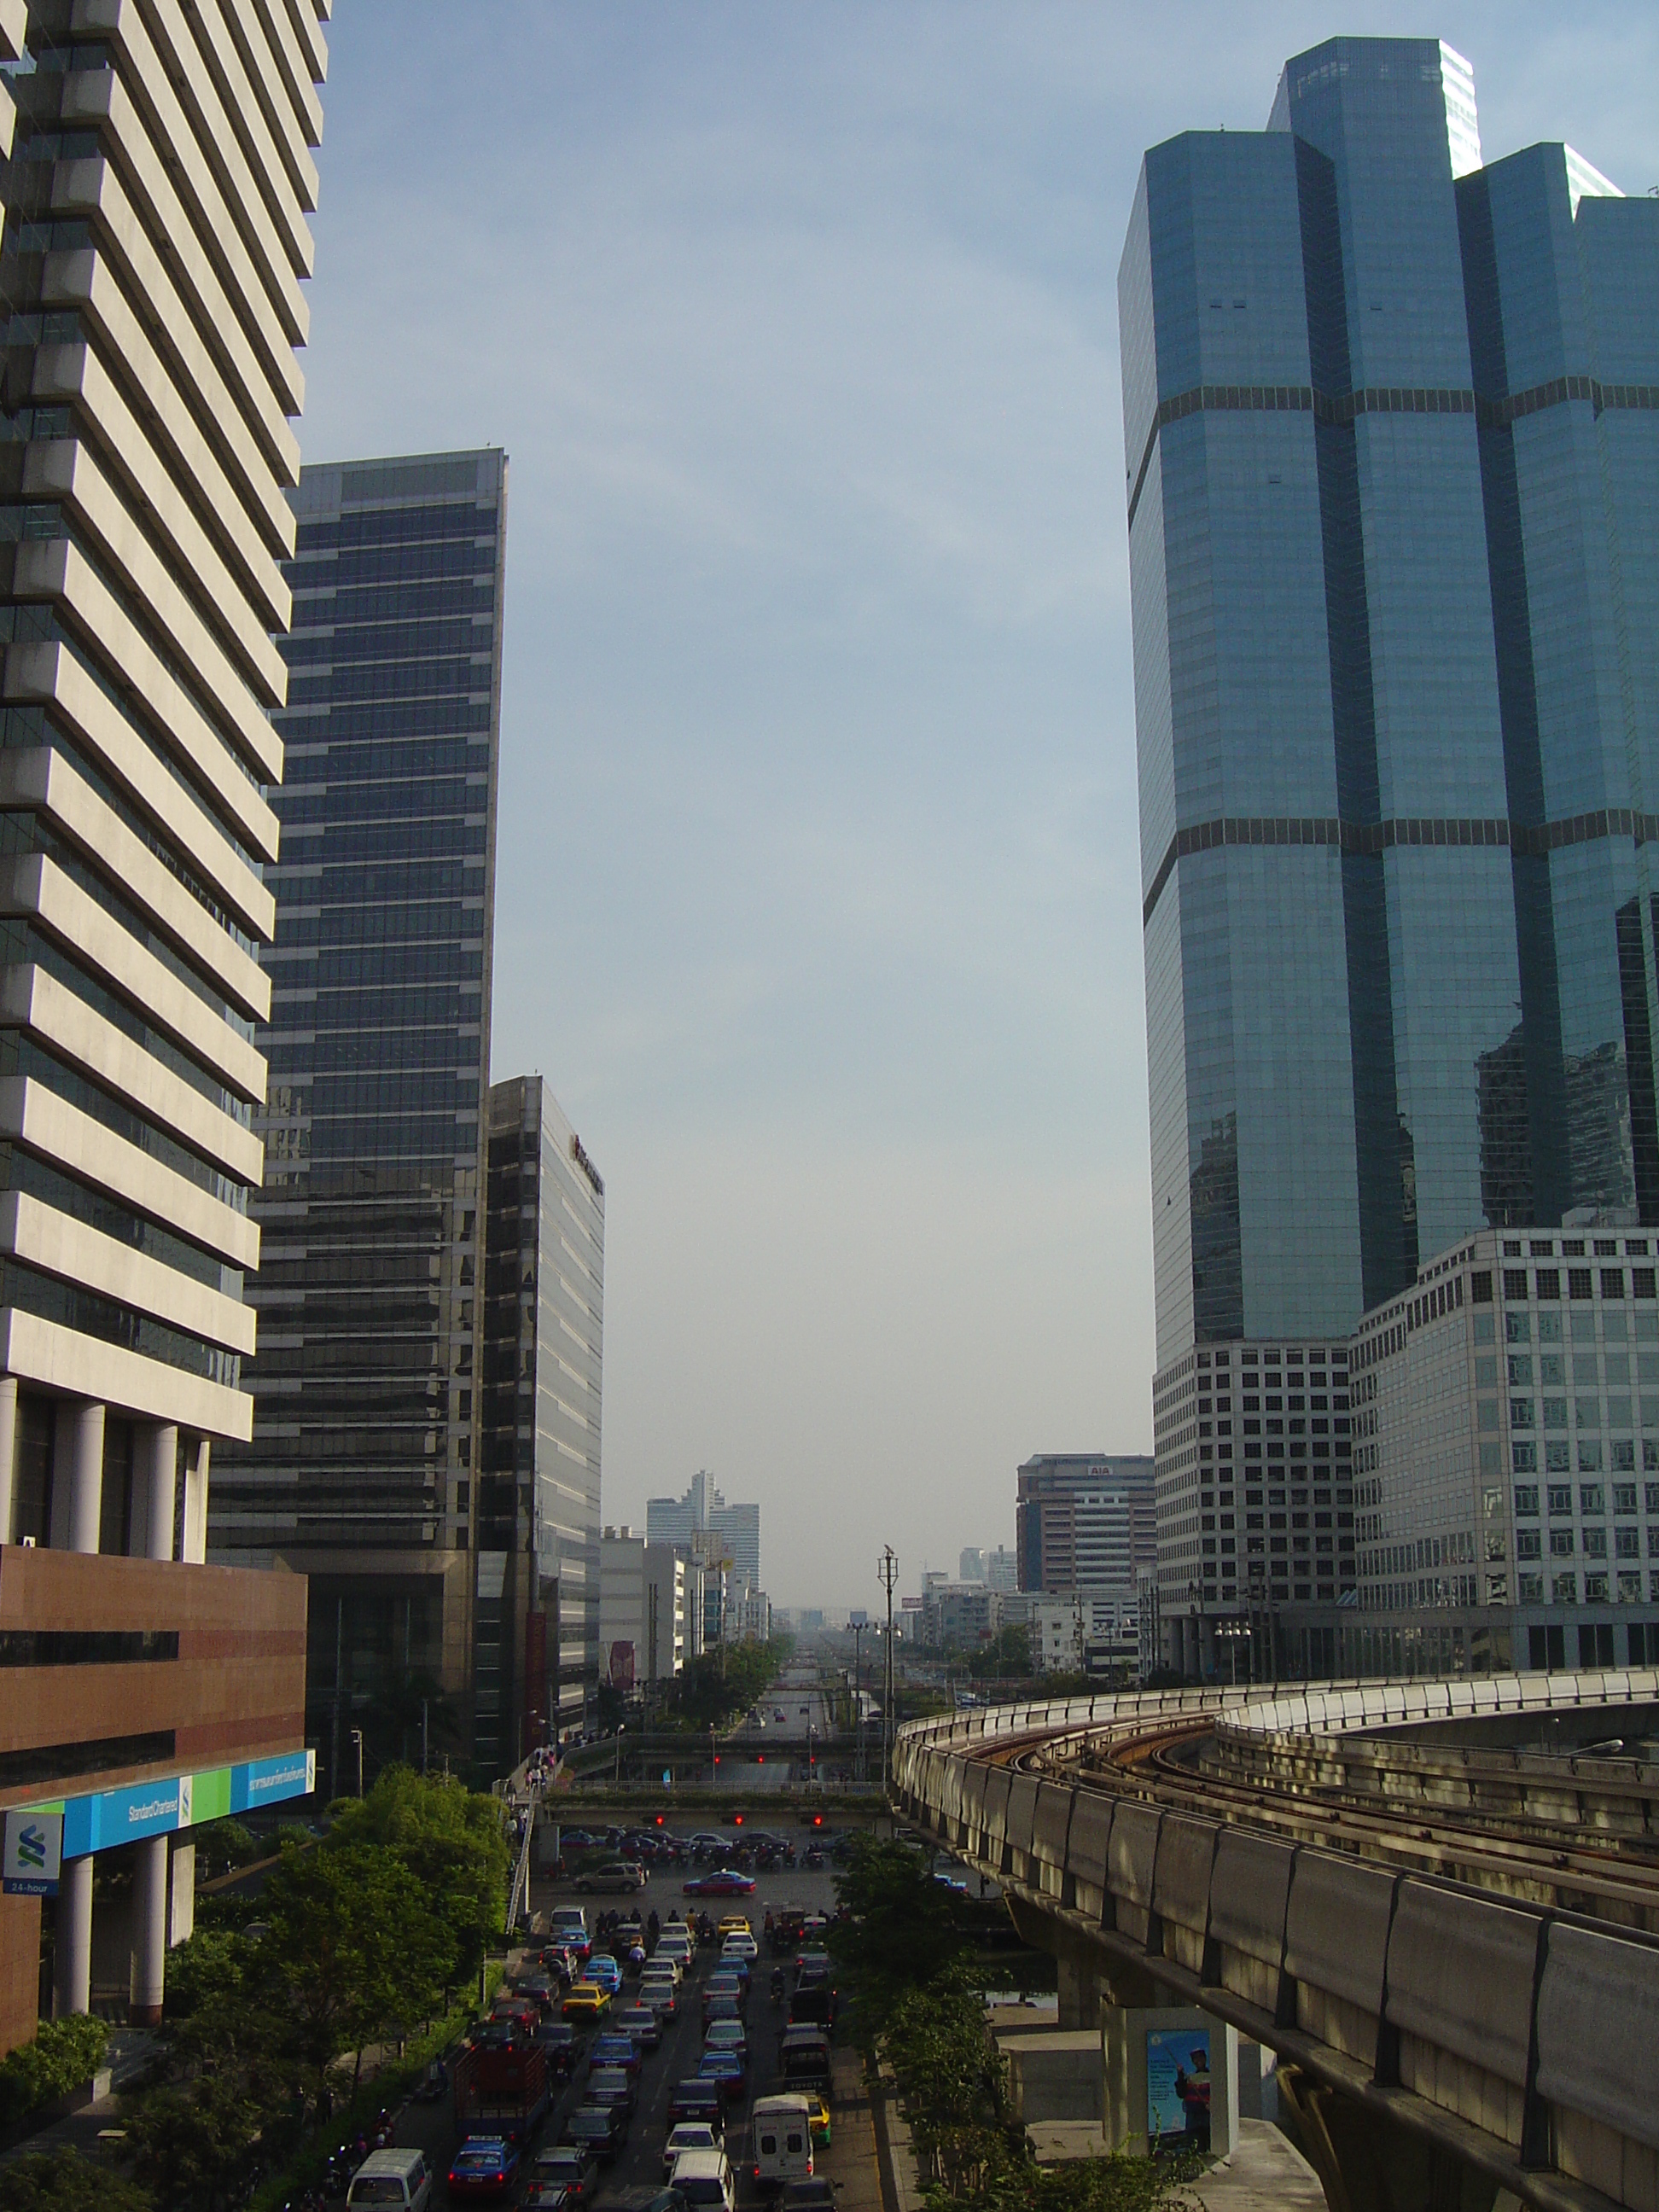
971,1566
537,1634
363,1467
1391,435
703,1512
1083,1520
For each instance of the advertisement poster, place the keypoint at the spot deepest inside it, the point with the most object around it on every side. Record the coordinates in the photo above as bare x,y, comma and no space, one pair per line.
1178,2089
620,1672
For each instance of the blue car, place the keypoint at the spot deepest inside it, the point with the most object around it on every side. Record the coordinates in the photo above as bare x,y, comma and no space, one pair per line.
484,2167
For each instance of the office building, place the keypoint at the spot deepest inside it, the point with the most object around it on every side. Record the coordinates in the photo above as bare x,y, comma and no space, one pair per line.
647,1599
536,1634
1083,1520
727,1532
1506,1461
1001,1568
1388,419
156,194
971,1566
363,1467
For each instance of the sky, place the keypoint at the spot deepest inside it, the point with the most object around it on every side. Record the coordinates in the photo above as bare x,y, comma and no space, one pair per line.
817,895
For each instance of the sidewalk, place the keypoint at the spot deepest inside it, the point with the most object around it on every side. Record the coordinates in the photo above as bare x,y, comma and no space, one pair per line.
853,2161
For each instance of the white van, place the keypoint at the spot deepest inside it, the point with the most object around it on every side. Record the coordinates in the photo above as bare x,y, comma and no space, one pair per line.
781,2133
704,2178
398,2179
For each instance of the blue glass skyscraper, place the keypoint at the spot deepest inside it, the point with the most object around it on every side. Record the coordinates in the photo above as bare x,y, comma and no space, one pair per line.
1392,461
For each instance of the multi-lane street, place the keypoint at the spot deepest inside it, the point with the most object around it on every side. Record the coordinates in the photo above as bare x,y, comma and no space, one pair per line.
432,2128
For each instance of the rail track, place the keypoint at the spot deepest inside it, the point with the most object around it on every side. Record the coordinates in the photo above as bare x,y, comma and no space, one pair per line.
1605,1874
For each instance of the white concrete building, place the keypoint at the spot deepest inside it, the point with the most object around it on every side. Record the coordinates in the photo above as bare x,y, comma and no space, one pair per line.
644,1613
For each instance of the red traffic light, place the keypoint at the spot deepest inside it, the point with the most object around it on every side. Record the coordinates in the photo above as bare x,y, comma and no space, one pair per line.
818,1820
662,1820
760,1759
717,1758
737,1820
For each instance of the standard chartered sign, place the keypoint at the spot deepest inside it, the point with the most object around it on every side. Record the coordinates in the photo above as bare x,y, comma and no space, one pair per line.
34,1853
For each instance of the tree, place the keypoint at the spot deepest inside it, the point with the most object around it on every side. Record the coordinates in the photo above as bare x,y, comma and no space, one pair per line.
1007,1653
448,1839
188,2142
902,1933
64,2054
354,1951
63,2181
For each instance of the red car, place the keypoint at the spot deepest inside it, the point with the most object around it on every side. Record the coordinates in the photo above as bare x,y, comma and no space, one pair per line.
725,1881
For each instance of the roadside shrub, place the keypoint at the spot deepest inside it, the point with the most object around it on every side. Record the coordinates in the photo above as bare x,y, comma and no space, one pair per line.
64,2054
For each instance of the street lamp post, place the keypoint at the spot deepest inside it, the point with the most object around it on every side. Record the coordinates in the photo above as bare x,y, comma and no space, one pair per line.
887,1568
621,1732
357,1747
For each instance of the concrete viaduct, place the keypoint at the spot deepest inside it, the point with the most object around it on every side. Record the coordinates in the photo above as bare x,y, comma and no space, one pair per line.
1434,1900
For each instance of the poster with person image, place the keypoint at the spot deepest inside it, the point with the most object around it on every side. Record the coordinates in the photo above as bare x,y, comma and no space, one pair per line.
1177,2089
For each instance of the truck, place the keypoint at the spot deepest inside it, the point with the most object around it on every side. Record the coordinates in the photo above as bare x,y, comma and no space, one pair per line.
501,2088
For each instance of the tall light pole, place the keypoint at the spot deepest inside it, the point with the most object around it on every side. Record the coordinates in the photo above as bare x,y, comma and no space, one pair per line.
621,1732
887,1573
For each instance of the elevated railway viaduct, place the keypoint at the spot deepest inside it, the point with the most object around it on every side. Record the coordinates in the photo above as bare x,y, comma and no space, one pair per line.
1436,1901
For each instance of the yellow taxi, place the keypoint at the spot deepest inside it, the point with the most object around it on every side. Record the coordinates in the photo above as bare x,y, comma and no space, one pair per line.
586,2001
735,1924
817,2118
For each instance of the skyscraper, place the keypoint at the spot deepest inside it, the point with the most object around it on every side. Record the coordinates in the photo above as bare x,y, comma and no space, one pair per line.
363,1466
537,1634
732,1531
156,194
1390,448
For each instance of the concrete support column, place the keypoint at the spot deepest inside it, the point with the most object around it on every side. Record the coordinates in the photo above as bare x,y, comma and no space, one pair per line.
73,1977
181,1916
8,1451
157,1482
78,1471
1080,1996
150,1931
196,1503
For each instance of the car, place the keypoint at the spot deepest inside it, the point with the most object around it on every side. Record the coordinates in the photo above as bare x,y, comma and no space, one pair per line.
779,1714
612,2085
724,1881
559,2043
587,2000
734,1924
729,2068
662,1997
602,1969
641,2021
690,2135
698,2099
602,2128
706,1840
818,2190
549,2197
617,1877
817,2116
485,2165
571,2166
740,1943
724,2035
806,1709
614,2048
578,1840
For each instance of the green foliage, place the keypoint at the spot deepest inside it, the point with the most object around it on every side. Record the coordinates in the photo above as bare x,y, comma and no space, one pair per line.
448,1838
187,2142
1007,1654
1123,2183
721,1684
63,2181
953,2081
64,2054
221,1846
354,1949
901,1934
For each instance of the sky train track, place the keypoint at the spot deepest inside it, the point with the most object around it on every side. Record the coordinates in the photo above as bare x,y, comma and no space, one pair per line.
1609,1875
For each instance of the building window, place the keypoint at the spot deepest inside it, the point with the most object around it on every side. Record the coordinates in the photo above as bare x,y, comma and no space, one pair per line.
1523,1458
1589,1456
1526,1499
1528,1544
1563,1590
1549,1282
1578,1285
1479,1290
1561,1543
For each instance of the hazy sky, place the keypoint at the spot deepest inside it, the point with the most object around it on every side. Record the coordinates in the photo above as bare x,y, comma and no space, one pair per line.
817,898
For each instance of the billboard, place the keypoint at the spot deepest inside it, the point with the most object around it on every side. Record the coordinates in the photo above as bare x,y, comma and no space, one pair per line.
620,1672
34,1852
1178,2089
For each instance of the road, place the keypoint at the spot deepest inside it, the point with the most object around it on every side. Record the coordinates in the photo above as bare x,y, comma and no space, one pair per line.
803,1708
639,2163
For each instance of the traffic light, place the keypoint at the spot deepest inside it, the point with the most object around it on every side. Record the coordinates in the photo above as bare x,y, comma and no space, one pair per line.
662,1820
760,1759
818,1820
737,1820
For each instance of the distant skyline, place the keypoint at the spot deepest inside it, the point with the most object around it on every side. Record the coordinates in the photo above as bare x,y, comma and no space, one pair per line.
817,891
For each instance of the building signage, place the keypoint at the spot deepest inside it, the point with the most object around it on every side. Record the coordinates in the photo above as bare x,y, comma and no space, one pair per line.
34,1853
173,1802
